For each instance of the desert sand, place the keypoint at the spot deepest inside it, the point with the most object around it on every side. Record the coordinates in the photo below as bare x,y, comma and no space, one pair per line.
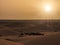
5,42
49,38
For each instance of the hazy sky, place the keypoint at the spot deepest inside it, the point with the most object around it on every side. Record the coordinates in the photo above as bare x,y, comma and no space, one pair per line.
29,9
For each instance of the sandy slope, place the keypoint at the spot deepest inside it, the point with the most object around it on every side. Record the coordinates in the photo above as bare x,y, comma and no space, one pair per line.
52,39
4,42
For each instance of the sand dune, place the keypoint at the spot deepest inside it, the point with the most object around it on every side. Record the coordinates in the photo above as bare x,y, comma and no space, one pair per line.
51,39
4,42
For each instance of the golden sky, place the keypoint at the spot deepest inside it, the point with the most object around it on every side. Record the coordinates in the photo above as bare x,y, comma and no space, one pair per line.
29,9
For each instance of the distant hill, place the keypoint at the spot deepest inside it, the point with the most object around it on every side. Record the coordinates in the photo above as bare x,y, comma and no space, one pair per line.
30,25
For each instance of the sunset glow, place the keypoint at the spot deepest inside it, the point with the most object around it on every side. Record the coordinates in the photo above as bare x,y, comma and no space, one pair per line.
47,8
29,9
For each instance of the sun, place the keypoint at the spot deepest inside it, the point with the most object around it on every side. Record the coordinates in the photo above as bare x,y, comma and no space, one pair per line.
47,8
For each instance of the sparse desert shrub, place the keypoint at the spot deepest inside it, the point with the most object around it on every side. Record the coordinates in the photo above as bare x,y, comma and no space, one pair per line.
21,34
55,31
0,35
32,33
40,34
26,33
9,39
